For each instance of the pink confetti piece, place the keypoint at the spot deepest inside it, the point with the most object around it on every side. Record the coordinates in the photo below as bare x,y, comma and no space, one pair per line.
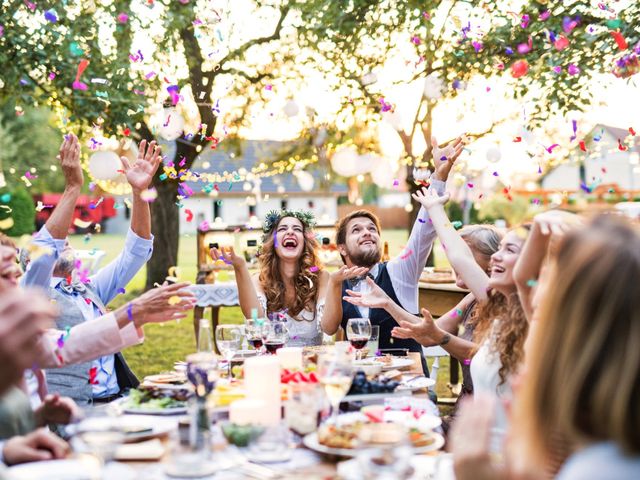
470,185
82,66
313,269
407,254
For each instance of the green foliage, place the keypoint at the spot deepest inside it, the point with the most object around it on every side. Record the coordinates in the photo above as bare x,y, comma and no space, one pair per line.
30,141
514,211
22,212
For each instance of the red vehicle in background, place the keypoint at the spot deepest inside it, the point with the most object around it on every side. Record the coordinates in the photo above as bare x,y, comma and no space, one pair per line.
94,210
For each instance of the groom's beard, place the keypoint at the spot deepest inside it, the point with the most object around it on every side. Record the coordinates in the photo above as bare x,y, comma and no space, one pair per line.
365,258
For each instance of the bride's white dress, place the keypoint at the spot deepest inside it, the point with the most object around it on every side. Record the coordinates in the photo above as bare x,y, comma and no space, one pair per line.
305,328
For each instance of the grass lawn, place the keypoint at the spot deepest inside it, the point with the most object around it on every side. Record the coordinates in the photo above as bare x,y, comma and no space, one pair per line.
166,343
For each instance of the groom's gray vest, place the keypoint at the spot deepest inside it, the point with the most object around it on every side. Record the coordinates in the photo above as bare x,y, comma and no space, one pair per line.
73,380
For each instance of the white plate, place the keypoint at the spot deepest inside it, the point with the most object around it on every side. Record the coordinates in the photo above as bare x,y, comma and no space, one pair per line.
75,469
396,362
439,466
416,384
311,441
123,403
425,422
149,427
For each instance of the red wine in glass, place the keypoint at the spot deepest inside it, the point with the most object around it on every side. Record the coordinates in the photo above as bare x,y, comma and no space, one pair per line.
358,342
256,342
273,346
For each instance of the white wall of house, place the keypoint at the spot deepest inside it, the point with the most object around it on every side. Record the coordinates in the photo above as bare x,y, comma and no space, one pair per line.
235,210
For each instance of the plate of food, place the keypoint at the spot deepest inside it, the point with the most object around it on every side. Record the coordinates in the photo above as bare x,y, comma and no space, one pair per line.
390,362
168,380
150,400
345,437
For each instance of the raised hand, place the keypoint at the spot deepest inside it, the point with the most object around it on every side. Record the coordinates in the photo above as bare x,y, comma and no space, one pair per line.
424,331
161,304
555,222
445,157
347,273
228,256
69,158
429,198
140,174
374,298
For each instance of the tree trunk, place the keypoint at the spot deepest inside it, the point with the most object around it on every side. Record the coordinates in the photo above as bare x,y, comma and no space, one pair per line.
166,231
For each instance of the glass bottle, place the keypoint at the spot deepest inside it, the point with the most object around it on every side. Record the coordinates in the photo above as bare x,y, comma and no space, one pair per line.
385,253
205,339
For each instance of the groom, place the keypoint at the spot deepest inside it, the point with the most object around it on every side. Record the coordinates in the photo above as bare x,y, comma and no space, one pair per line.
358,241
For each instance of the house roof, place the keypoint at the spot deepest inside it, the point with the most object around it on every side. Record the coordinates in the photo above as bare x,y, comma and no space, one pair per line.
252,153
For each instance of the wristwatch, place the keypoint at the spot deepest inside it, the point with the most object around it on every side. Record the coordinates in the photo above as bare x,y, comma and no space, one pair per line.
445,339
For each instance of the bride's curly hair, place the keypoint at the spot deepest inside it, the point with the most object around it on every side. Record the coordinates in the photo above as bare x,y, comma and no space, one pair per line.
305,281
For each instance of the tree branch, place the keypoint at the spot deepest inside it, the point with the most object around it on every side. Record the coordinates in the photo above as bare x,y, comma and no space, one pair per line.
253,79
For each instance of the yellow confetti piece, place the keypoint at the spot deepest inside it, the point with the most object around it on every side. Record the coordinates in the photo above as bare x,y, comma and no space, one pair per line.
6,224
174,272
149,195
128,203
175,300
97,228
81,223
7,208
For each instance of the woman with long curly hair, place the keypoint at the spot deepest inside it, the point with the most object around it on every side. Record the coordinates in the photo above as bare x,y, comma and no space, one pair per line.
500,323
291,284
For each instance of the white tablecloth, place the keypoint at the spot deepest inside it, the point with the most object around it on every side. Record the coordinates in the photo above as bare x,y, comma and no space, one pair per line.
216,295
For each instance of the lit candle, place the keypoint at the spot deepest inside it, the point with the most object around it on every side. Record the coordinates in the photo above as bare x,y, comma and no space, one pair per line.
262,382
290,357
246,412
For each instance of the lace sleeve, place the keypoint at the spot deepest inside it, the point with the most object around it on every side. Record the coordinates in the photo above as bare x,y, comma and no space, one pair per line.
263,303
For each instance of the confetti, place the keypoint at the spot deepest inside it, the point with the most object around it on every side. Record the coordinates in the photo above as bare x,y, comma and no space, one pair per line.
123,17
550,148
314,269
130,312
620,41
175,300
275,240
573,69
51,16
204,226
60,341
189,214
532,283
456,224
149,195
470,185
561,43
632,131
422,220
519,68
582,146
93,373
121,291
82,223
621,147
77,84
517,139
407,254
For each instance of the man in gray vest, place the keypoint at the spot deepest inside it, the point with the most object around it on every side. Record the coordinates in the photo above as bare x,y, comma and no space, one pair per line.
80,297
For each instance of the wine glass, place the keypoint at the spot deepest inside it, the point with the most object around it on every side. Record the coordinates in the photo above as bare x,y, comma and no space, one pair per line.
358,333
335,373
202,373
228,341
256,330
276,336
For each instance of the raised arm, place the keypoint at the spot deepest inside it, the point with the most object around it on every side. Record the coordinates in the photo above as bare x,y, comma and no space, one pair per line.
457,250
332,315
406,268
49,242
139,176
247,294
546,225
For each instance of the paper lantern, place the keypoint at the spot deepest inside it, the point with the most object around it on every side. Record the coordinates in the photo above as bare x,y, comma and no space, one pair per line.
291,108
369,79
344,161
494,154
172,124
305,180
383,172
433,86
366,162
104,165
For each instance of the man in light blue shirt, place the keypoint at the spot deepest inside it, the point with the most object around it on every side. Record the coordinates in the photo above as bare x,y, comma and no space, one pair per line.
80,297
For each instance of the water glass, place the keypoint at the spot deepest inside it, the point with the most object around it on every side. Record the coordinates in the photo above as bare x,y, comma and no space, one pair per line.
228,341
373,343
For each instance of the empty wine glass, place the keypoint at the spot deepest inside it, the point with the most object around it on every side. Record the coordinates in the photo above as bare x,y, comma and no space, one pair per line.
276,337
336,374
358,333
228,341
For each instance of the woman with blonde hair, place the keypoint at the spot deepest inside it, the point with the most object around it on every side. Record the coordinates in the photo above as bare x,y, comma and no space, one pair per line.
582,379
291,284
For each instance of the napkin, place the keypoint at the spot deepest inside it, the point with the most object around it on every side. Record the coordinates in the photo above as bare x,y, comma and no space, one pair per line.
150,450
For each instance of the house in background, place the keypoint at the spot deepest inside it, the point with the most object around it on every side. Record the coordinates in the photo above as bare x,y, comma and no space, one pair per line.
237,203
608,160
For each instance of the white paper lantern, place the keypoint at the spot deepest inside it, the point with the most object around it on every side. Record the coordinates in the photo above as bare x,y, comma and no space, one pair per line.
394,119
305,180
366,162
104,165
291,108
383,172
172,124
369,79
433,86
494,154
344,161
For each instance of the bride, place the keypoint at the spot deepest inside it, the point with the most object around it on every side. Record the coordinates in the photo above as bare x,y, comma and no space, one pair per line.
291,284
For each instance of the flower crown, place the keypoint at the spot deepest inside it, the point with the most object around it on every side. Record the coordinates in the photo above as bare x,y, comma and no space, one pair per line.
273,217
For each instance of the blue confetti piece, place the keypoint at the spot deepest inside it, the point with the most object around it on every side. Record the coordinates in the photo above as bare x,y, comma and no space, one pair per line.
130,312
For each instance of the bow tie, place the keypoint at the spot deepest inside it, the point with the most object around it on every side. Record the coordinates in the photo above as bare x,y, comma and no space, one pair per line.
355,281
75,286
